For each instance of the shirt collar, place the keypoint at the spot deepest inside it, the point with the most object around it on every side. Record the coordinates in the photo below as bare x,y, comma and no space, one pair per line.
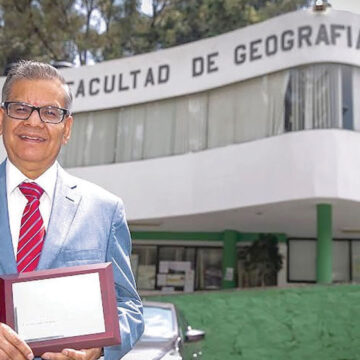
47,180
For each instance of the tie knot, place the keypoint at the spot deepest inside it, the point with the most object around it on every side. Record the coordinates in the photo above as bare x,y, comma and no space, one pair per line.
31,190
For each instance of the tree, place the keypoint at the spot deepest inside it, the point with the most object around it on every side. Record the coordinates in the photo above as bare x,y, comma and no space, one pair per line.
96,30
177,22
50,30
30,29
263,260
123,21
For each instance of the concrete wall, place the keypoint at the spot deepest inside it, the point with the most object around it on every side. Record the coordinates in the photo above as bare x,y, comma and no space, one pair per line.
309,164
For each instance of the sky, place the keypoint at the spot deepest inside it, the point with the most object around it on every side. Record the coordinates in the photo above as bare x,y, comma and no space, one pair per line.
146,6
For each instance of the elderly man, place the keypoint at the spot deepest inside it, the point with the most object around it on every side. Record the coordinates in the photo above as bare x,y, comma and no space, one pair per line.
48,218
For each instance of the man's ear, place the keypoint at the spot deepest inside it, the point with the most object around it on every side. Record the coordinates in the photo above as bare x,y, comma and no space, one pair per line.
67,129
2,115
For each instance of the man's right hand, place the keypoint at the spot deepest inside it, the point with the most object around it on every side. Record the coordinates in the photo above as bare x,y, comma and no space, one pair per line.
12,347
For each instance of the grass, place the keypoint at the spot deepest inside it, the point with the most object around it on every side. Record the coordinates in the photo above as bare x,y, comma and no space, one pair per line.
313,322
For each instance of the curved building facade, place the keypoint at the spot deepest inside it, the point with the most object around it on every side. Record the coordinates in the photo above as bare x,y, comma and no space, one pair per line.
213,143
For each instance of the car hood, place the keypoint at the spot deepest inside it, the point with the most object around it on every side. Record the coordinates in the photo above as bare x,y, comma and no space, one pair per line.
149,350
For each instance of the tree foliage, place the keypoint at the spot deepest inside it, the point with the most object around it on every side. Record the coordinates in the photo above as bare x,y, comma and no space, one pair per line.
97,30
263,260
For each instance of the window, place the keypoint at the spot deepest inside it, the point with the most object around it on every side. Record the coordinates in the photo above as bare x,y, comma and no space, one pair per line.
307,97
160,324
177,253
209,269
302,260
146,259
319,97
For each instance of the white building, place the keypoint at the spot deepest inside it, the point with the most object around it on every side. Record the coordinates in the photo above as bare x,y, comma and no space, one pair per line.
213,142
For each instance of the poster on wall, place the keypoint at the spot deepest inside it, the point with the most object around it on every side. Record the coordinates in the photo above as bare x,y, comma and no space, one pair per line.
175,275
146,277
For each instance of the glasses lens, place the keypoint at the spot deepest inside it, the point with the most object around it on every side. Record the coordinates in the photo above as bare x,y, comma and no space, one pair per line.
51,114
19,110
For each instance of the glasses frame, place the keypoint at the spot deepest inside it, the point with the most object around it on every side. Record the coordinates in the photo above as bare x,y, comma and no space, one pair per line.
5,105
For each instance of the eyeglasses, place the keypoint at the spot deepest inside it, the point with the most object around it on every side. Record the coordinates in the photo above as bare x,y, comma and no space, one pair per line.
22,111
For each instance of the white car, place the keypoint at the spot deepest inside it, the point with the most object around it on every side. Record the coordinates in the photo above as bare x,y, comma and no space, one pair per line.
167,335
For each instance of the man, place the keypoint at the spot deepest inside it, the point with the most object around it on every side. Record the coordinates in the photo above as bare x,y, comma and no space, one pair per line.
66,220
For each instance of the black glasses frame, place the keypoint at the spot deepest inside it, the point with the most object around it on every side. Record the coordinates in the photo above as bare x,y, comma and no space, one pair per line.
65,112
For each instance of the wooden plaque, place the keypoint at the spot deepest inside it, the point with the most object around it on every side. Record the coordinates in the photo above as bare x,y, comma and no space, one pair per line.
72,307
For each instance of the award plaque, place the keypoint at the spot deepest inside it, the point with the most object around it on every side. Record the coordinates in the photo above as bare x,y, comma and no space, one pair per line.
72,307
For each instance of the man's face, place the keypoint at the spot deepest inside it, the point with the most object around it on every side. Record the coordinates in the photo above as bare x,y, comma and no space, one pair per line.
32,145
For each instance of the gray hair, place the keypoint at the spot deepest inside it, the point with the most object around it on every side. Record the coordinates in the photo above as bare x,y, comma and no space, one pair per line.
34,70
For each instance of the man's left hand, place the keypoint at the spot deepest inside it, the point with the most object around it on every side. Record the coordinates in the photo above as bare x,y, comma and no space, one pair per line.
70,354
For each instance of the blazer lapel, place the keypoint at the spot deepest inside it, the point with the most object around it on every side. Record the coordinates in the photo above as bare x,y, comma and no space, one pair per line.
65,204
7,257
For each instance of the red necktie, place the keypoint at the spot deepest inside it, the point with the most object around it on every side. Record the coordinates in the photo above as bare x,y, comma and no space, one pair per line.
32,230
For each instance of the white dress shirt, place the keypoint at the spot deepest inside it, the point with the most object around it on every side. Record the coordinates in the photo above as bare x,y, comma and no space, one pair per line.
17,201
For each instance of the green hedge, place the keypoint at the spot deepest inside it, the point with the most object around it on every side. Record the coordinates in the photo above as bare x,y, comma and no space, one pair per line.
313,322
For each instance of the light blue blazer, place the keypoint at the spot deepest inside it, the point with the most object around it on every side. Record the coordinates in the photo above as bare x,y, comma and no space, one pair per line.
87,226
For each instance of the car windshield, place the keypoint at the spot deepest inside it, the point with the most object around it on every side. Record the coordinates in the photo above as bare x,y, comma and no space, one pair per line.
159,324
